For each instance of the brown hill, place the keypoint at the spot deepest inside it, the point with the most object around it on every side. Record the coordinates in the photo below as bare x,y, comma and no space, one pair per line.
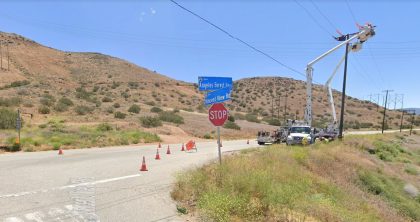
93,80
37,78
285,98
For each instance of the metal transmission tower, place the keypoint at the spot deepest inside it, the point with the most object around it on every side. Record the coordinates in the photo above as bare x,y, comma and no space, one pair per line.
386,100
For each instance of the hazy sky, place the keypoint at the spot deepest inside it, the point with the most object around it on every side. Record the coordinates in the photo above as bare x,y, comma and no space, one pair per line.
160,36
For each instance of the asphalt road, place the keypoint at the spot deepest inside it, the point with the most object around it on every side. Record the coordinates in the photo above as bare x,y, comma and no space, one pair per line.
99,182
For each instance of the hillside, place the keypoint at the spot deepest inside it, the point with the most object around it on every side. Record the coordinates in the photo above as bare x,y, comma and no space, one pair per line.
362,178
92,87
256,95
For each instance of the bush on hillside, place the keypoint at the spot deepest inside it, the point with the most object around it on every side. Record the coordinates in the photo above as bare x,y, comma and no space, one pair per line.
103,127
274,122
44,109
65,101
82,110
7,119
231,125
9,102
106,99
252,118
149,121
156,109
120,115
134,109
172,117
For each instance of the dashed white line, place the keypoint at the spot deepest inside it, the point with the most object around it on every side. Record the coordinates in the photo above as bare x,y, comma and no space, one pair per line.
69,186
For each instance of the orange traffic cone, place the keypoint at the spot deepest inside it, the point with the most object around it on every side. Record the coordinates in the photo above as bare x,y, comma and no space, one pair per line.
159,146
157,155
247,142
168,151
143,165
182,149
60,152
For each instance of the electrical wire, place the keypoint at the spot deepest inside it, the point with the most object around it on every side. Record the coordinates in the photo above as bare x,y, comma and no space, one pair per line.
323,15
238,39
370,52
313,18
351,11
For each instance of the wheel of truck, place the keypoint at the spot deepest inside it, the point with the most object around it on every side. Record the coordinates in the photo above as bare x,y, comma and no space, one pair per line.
260,143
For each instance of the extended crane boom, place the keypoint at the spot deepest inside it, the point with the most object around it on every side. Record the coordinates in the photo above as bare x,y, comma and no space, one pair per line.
365,32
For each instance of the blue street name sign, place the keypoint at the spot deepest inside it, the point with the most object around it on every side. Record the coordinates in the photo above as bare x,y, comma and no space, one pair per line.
214,83
217,96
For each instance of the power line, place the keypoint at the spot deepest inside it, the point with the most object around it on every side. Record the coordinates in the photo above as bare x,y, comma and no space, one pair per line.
238,39
313,18
323,15
351,11
370,52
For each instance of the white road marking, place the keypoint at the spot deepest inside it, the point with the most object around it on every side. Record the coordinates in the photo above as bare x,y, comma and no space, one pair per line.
12,219
69,186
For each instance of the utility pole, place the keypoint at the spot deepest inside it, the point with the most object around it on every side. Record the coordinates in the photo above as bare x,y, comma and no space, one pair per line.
1,57
343,93
386,100
412,120
272,108
402,110
285,106
377,104
8,57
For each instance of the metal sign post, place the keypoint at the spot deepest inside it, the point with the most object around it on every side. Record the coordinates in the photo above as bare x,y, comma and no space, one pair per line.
18,126
218,145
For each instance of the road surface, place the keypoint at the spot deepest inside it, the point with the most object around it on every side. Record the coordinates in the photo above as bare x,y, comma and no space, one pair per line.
44,186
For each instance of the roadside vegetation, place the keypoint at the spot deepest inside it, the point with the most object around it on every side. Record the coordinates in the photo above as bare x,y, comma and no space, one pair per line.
55,134
363,178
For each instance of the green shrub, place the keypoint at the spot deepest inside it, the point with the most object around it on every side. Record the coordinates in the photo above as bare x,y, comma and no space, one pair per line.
110,110
149,121
82,110
252,118
117,105
172,117
106,100
392,190
274,122
207,136
65,101
47,100
120,115
19,83
60,107
7,119
156,109
411,169
103,127
10,102
44,110
231,118
134,109
231,125
150,103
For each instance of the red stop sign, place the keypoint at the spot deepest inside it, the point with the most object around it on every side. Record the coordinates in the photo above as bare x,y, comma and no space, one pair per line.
218,114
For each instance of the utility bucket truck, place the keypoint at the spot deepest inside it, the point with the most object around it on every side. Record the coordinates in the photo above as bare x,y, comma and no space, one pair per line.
331,131
302,132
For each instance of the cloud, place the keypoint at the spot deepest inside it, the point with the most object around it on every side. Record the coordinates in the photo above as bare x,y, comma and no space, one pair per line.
153,11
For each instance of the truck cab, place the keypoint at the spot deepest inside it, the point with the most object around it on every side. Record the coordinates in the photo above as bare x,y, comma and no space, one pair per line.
299,135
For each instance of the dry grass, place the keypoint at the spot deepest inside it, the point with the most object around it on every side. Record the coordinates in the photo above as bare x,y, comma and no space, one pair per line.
325,182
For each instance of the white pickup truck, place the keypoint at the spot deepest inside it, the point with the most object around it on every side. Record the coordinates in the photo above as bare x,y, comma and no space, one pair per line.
299,135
